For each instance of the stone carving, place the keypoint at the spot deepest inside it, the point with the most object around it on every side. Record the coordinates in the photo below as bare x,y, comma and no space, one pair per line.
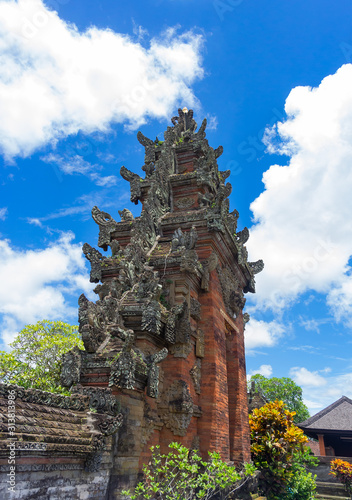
196,374
148,286
106,226
135,182
151,318
231,291
108,425
151,421
195,309
242,236
96,259
111,287
77,402
176,408
71,367
190,263
200,344
115,248
126,215
231,221
153,375
208,266
178,327
100,399
246,318
91,324
181,350
184,203
256,267
93,461
123,367
182,241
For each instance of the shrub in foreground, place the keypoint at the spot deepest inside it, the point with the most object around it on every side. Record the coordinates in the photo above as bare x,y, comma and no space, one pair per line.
278,452
342,470
183,475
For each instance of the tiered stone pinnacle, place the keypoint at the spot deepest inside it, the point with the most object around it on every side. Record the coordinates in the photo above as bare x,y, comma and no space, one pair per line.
166,333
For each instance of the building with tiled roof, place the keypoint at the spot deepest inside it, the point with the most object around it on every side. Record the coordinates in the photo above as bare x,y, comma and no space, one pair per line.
333,428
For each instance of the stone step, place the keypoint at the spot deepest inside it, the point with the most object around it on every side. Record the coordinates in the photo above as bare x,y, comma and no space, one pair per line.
330,497
331,491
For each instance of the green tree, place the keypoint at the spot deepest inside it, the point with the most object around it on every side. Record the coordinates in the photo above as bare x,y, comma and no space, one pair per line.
282,389
278,452
36,356
183,475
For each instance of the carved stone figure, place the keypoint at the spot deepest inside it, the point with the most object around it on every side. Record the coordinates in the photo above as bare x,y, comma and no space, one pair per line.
135,182
106,226
208,266
91,324
153,375
196,374
123,367
126,215
231,291
96,259
71,367
151,319
178,327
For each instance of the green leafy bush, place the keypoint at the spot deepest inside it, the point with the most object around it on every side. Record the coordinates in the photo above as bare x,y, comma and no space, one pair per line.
183,475
302,485
277,449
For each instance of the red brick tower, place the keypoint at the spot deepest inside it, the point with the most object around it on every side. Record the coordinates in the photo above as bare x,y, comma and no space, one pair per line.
167,333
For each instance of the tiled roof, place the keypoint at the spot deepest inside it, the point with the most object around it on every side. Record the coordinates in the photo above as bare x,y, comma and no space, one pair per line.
336,417
56,425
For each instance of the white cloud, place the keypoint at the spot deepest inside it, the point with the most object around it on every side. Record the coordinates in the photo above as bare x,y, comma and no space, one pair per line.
303,216
37,283
306,378
265,370
321,396
3,213
262,334
55,81
76,164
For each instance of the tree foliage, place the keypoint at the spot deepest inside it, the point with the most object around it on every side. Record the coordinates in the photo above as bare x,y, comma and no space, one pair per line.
35,359
183,475
277,450
282,389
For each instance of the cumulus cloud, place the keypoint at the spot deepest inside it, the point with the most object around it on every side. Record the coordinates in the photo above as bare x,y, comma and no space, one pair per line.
39,283
55,81
306,378
322,393
265,370
302,229
262,334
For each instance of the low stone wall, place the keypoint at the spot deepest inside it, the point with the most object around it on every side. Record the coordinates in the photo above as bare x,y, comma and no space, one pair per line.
55,482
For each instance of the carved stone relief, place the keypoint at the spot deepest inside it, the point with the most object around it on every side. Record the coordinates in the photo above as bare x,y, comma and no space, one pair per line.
196,374
176,408
200,344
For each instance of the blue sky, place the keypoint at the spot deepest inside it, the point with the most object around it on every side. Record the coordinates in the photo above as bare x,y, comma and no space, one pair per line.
274,79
